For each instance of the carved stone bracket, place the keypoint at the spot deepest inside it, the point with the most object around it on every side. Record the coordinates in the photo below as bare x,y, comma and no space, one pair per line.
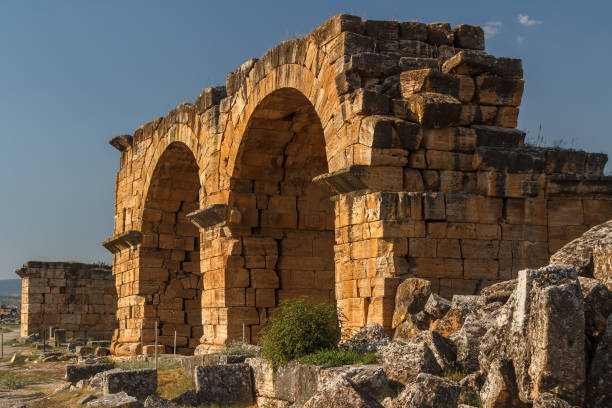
121,142
128,239
346,180
209,215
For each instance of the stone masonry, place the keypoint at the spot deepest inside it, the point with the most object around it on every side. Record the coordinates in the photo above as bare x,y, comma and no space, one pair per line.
334,167
79,298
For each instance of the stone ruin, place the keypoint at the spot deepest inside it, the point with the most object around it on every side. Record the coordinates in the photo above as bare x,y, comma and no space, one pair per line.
336,166
78,298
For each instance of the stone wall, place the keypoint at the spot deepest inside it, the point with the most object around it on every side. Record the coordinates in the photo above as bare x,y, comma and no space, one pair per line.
79,298
334,167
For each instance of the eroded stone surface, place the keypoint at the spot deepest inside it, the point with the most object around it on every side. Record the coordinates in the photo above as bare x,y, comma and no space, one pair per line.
224,384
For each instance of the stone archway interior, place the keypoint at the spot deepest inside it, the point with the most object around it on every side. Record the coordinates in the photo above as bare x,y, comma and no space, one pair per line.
169,270
288,239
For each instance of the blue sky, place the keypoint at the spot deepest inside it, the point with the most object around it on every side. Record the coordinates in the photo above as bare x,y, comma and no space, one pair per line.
73,74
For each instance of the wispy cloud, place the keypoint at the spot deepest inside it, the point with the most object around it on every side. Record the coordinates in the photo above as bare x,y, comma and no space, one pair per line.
527,21
520,39
492,28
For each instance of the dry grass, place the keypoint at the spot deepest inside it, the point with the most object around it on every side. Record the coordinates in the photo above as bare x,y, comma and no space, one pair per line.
172,383
11,380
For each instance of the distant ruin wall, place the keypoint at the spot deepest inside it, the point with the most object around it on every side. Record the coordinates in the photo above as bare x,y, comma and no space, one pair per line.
79,298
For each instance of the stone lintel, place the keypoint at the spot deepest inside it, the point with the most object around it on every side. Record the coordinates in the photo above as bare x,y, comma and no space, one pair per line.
346,180
121,142
208,216
128,239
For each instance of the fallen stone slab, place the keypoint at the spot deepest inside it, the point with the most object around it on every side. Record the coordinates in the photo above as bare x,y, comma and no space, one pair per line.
370,378
86,399
225,384
428,391
547,400
541,329
136,383
84,351
341,392
96,382
119,400
189,363
76,372
155,401
599,378
368,339
404,362
296,382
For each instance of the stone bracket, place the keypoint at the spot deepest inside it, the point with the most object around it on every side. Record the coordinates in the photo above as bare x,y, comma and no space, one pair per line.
346,180
208,216
121,142
128,239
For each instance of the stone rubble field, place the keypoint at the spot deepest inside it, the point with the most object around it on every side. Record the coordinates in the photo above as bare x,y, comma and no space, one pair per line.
541,340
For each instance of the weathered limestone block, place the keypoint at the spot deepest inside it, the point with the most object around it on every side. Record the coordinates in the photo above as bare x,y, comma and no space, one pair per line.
597,305
541,329
410,298
549,401
341,391
135,383
369,339
403,362
370,378
435,110
296,382
428,391
473,63
579,252
599,378
155,401
119,400
469,36
499,389
224,384
76,372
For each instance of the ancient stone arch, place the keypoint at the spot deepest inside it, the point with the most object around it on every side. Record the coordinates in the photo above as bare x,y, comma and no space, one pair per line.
335,166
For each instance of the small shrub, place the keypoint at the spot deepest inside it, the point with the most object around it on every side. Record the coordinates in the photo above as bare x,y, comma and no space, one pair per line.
299,327
238,348
338,357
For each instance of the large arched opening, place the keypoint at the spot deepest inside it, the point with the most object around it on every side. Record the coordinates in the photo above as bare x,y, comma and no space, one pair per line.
286,221
169,265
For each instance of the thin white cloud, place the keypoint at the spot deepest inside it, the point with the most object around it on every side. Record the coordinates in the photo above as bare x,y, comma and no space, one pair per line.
520,39
527,21
492,28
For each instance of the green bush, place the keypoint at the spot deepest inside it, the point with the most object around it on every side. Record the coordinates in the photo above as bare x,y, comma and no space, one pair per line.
299,327
338,357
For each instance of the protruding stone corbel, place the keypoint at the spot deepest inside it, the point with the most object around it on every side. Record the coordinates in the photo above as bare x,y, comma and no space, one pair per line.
121,142
346,180
128,239
209,215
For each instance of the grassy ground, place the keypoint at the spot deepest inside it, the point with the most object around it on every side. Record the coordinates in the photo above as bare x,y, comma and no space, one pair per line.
338,357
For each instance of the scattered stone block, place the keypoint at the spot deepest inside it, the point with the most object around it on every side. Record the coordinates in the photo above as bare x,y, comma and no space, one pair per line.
136,383
76,372
224,384
119,400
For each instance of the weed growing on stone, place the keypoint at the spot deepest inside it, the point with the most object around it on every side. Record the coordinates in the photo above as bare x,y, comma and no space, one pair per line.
298,328
338,357
454,372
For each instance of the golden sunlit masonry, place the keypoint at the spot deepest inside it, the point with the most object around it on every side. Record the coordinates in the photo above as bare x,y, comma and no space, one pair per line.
334,167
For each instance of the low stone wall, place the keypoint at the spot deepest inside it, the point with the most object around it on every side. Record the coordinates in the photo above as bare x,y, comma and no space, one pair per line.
79,298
